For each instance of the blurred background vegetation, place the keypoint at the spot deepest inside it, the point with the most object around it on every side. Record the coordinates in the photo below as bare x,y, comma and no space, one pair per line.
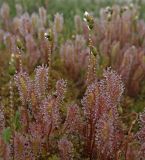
69,8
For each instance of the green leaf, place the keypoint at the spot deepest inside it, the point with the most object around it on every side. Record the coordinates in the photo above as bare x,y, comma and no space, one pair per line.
6,134
17,120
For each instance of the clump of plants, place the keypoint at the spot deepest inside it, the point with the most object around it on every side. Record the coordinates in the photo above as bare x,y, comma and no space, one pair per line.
72,98
118,37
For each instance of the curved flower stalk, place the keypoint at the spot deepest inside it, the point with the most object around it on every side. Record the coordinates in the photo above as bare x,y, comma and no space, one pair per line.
93,58
103,134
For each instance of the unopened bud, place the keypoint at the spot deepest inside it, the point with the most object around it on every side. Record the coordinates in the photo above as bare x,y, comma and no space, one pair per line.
89,19
19,44
49,35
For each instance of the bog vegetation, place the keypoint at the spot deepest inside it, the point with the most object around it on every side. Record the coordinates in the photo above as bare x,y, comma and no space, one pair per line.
72,86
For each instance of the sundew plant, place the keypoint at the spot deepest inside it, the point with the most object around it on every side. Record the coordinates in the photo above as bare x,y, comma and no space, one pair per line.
72,90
